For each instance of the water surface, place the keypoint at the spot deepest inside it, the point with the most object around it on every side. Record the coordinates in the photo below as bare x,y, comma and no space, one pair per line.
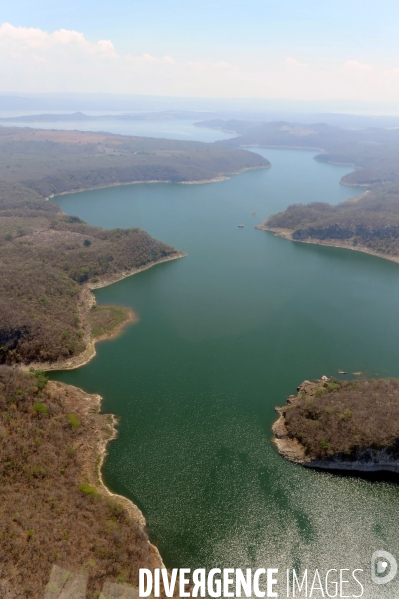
225,335
168,129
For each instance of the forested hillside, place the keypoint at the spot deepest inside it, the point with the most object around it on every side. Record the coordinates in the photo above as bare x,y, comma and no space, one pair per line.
372,221
53,507
51,162
344,418
374,151
47,258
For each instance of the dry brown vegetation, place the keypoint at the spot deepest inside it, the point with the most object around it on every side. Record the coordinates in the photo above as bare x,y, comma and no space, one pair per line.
46,256
374,150
372,221
346,418
51,162
41,276
52,506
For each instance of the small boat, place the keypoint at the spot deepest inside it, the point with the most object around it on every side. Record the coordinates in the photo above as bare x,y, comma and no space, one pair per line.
254,214
357,373
241,226
342,372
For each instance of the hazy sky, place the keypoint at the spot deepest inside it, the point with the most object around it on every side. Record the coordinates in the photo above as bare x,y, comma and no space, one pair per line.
305,49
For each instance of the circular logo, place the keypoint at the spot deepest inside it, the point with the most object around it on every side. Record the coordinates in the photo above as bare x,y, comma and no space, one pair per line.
380,560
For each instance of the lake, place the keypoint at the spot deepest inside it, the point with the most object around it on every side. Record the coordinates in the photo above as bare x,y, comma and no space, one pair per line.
226,334
182,129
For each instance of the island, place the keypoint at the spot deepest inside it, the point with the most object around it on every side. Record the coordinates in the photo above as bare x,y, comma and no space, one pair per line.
341,425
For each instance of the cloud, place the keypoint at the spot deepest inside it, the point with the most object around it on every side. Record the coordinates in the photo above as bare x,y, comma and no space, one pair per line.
148,58
65,60
168,60
359,66
196,65
293,62
21,40
200,65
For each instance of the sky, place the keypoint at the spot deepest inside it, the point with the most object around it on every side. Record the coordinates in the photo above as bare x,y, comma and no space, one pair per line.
290,49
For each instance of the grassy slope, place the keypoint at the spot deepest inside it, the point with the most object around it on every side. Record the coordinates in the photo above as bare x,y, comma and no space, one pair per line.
108,321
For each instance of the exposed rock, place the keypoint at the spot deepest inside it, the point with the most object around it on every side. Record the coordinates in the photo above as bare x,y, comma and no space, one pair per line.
308,388
369,460
289,448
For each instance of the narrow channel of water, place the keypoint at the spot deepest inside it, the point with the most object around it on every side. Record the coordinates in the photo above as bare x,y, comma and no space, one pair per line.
225,335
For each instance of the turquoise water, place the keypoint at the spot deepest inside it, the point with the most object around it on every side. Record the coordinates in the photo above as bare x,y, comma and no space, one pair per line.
224,335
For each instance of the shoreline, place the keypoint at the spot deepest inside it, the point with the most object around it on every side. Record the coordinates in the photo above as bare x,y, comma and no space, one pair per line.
135,182
94,448
87,300
104,426
132,318
287,234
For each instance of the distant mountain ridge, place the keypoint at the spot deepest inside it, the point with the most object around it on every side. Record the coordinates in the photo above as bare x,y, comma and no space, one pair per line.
126,113
49,117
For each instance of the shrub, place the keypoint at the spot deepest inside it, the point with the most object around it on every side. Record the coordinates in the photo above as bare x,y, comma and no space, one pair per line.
40,408
73,420
333,386
346,414
41,378
87,489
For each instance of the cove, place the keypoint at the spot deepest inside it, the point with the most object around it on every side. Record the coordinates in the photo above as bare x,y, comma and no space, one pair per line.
225,334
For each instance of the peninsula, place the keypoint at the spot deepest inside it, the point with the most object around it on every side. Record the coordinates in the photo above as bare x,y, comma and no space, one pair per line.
368,223
341,425
48,259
